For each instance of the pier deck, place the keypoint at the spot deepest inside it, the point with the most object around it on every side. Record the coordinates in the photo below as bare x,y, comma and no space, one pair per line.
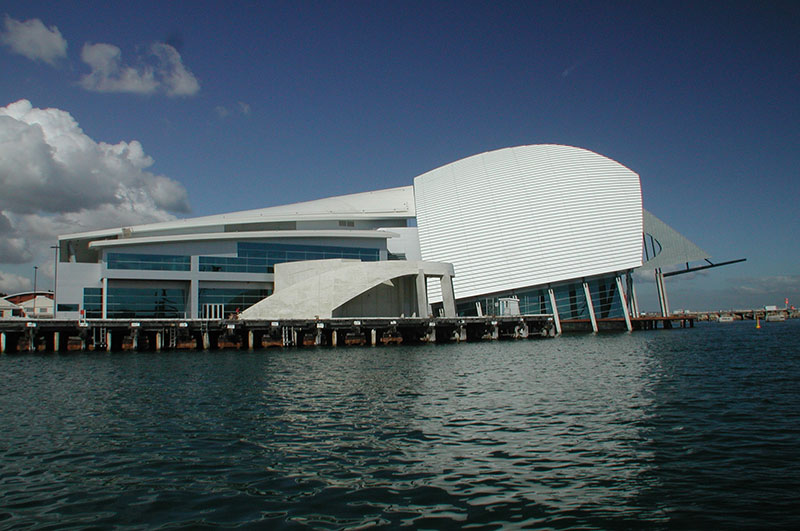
53,335
637,323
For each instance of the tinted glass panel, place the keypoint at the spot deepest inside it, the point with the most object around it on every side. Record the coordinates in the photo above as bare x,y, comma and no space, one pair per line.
261,257
149,262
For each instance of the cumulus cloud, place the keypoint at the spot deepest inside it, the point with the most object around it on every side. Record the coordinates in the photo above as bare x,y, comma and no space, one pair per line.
34,40
11,283
161,69
109,75
56,180
175,77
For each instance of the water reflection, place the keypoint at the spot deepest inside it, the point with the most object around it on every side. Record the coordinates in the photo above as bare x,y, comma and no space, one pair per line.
544,428
618,430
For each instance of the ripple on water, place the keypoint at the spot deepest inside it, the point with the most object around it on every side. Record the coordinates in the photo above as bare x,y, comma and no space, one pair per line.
690,428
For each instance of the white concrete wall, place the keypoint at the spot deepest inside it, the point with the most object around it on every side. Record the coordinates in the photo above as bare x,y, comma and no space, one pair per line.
330,284
399,299
72,278
406,243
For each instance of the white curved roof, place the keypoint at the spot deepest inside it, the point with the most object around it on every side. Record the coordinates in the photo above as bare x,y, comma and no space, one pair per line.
529,215
379,204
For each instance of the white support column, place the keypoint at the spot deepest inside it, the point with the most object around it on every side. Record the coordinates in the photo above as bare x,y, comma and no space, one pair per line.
422,295
662,293
56,341
589,305
193,304
632,295
624,302
2,342
448,296
554,307
658,291
105,298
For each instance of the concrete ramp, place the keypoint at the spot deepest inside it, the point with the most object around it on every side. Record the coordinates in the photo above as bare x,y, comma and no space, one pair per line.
338,288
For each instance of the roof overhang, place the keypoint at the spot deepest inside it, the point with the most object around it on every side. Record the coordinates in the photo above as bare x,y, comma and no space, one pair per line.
392,203
250,235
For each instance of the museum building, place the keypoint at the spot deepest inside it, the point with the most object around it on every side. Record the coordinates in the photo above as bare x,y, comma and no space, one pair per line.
559,229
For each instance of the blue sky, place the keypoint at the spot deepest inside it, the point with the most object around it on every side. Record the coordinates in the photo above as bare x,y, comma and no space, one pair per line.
224,106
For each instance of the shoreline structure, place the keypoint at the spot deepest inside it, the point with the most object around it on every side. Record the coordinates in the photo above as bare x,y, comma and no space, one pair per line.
514,233
53,335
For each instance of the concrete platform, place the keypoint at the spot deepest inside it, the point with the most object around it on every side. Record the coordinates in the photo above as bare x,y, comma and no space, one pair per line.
49,335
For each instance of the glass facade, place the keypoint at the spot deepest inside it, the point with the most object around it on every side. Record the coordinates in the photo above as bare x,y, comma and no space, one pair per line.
124,303
146,302
262,257
148,262
93,303
570,300
154,302
232,299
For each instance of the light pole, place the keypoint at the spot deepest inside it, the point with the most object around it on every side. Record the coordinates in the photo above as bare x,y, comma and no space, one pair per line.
35,271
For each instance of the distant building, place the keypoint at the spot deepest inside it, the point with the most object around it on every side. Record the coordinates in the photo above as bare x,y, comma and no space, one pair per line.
32,304
8,309
559,228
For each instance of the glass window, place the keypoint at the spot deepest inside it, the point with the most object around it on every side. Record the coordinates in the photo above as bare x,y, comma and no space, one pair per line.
146,303
93,303
148,262
256,257
232,299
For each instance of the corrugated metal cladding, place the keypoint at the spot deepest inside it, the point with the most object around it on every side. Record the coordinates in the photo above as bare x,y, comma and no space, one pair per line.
529,215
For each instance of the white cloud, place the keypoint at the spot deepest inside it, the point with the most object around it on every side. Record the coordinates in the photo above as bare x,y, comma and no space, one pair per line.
13,249
56,180
11,283
778,286
175,77
108,74
33,40
160,70
240,107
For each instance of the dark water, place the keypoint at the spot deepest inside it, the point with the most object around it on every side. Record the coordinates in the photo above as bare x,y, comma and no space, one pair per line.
668,429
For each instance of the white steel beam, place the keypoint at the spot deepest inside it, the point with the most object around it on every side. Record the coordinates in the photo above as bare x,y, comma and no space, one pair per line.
590,306
622,299
553,305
